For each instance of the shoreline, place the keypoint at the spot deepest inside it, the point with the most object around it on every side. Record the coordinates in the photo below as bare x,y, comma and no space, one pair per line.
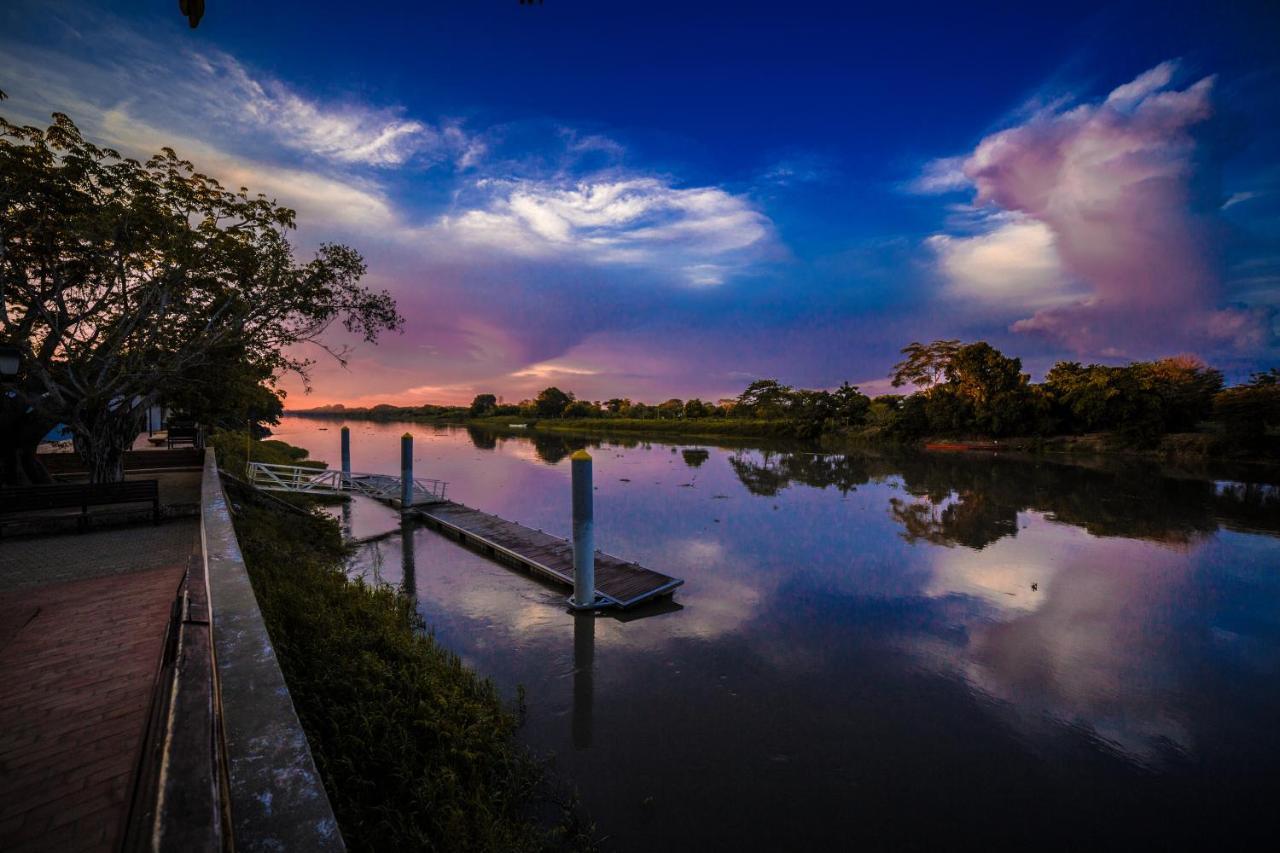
1173,448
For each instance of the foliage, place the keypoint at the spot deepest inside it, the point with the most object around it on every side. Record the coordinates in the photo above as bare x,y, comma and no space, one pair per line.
965,390
483,405
232,445
123,281
764,398
1248,411
416,751
229,393
924,365
551,402
580,409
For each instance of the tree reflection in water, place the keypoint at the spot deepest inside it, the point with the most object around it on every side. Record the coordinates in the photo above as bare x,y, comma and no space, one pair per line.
973,500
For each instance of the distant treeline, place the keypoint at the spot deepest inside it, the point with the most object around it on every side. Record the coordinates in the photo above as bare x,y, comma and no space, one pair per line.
960,390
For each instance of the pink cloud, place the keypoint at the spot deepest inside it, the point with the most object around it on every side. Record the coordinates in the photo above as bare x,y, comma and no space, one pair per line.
1119,186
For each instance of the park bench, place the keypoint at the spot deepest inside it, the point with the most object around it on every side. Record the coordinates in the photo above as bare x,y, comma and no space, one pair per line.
21,500
183,435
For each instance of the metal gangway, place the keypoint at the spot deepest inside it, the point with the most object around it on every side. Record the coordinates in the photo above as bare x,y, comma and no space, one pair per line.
326,481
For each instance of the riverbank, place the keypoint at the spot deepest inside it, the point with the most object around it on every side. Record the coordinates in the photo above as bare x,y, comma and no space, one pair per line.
1198,446
416,750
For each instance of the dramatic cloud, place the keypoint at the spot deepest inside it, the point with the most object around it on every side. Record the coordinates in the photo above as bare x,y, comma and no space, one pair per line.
699,232
209,95
351,133
1011,263
1119,195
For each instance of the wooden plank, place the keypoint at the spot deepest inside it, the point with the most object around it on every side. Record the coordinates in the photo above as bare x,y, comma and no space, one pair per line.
622,583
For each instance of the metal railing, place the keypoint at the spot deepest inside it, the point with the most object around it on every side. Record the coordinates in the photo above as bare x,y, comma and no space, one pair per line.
326,481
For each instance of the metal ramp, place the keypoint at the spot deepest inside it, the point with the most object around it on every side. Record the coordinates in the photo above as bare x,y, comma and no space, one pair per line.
300,479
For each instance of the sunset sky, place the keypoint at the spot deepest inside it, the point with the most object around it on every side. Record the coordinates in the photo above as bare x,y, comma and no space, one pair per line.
672,199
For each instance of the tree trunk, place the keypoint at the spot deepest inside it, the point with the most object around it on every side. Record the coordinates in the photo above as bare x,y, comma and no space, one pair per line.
103,441
21,429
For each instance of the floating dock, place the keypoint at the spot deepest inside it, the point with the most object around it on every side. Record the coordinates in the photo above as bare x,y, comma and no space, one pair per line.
619,583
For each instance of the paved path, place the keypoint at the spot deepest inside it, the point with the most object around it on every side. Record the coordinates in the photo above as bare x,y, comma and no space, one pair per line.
82,620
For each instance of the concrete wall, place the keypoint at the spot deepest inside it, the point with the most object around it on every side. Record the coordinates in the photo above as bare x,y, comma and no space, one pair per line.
277,801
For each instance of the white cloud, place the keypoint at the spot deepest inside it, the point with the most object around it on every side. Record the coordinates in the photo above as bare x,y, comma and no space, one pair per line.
943,175
1146,83
210,95
1014,262
354,133
698,231
319,199
551,370
1239,198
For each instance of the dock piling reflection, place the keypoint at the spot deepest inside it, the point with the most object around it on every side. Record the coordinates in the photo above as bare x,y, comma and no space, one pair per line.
584,653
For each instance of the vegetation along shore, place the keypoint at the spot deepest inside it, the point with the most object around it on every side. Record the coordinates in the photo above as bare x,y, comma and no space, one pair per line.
417,751
1176,406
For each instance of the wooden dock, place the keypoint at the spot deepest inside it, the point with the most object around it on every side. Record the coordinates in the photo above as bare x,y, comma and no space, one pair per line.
619,583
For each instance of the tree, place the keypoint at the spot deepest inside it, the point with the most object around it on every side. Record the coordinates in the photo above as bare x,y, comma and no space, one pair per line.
1186,388
551,402
695,408
230,392
581,409
764,398
121,279
1247,411
991,384
618,406
851,405
925,365
483,405
672,408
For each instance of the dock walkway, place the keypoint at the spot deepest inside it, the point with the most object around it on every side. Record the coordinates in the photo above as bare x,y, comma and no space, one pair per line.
620,583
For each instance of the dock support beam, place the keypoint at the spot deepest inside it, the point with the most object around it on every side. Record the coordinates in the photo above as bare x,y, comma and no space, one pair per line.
406,472
346,456
584,545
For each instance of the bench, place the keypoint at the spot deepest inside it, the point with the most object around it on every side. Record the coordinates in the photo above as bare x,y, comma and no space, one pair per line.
182,435
24,499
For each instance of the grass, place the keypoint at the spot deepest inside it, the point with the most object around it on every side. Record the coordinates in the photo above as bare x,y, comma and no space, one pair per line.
232,446
416,750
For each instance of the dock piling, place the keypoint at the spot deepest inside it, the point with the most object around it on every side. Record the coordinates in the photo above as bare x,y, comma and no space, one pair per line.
584,547
406,472
346,455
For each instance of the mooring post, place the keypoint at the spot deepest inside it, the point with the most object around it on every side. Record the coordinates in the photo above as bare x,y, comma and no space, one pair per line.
406,472
346,457
584,546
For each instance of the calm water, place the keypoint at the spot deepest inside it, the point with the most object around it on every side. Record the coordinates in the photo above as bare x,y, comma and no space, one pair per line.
918,652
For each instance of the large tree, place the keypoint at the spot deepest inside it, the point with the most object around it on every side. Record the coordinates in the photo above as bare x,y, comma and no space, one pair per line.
121,282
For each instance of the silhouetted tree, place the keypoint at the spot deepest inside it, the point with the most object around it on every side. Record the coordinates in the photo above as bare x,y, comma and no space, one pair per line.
122,280
483,405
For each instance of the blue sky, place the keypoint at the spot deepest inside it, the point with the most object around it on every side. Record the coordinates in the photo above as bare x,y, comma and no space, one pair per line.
671,199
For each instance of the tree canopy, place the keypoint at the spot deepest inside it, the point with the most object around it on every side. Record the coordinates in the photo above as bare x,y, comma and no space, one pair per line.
123,282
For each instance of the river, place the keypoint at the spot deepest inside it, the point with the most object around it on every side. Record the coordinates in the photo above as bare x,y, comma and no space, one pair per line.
906,651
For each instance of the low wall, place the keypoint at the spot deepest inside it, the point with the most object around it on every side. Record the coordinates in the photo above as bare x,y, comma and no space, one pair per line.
276,798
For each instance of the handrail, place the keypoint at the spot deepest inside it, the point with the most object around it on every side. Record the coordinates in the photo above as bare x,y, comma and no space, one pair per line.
303,479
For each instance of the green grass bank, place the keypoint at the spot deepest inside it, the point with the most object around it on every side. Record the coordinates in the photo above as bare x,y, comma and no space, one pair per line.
417,751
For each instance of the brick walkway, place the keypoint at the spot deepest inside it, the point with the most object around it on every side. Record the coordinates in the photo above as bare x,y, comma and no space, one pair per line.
82,620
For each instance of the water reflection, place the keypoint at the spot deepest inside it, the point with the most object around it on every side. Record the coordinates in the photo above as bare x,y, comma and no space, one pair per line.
584,656
695,456
973,501
483,439
344,519
906,650
408,567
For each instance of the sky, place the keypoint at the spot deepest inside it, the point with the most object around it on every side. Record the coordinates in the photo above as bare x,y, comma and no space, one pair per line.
659,199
